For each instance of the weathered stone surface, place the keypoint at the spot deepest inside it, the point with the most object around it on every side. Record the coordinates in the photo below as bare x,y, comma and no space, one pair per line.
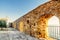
13,34
35,22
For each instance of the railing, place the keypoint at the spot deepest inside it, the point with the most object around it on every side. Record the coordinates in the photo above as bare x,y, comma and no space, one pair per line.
54,31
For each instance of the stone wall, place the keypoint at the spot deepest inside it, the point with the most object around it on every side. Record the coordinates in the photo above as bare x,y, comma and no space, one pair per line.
35,23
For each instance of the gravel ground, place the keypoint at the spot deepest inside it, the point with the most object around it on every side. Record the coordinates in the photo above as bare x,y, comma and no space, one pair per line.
13,34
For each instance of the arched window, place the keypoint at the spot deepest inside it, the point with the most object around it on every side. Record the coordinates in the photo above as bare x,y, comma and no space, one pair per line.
53,21
53,27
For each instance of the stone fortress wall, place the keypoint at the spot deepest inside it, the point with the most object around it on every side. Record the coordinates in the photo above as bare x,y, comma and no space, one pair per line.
35,22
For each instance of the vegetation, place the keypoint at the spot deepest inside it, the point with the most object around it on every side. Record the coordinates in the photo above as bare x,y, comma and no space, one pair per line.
3,24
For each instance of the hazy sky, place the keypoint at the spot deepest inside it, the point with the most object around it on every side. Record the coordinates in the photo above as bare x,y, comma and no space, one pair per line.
53,21
13,9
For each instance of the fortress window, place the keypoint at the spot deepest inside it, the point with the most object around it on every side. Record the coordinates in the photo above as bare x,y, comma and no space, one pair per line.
27,21
39,33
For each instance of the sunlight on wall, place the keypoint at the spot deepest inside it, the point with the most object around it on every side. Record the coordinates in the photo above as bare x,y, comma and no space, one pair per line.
54,21
21,27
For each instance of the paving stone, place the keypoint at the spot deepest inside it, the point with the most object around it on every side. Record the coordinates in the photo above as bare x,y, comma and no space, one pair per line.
11,34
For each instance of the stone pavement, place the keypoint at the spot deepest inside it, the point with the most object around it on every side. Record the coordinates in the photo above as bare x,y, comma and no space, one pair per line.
12,34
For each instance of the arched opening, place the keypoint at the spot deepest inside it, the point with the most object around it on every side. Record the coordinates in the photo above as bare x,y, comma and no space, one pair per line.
44,23
53,27
53,21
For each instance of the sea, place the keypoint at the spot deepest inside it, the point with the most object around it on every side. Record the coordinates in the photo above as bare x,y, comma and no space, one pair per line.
54,32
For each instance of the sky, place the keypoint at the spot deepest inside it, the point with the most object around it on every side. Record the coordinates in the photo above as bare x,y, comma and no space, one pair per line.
53,21
13,9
